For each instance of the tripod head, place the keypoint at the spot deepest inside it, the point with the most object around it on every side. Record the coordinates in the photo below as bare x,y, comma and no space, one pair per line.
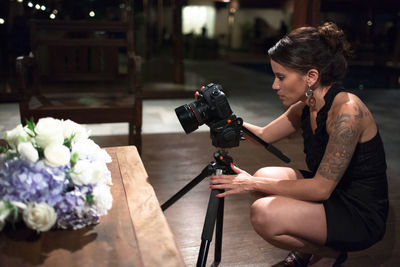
222,162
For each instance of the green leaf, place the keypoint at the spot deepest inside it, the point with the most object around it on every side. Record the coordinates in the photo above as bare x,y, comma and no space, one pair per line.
15,217
31,124
14,210
67,142
90,198
74,158
40,151
3,149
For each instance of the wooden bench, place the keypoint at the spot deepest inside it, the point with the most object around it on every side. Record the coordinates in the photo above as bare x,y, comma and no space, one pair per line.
85,71
135,231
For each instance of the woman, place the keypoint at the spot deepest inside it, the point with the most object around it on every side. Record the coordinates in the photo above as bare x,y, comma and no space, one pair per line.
341,203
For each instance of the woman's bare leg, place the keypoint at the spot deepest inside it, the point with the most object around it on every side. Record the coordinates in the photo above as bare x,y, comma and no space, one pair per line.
289,223
280,173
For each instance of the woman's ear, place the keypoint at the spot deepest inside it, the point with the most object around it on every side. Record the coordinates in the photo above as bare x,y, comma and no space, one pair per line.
312,77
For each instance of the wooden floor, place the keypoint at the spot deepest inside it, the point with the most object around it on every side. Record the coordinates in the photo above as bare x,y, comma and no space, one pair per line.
173,160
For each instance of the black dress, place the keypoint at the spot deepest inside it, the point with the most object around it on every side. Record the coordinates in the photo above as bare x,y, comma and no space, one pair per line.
357,209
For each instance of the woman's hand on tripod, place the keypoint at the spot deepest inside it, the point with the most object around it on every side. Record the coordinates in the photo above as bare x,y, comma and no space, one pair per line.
241,182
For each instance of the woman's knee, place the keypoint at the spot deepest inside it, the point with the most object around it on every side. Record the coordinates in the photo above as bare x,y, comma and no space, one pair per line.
263,215
265,172
283,173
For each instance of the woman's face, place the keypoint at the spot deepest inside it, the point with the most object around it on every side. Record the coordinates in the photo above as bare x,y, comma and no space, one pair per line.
289,84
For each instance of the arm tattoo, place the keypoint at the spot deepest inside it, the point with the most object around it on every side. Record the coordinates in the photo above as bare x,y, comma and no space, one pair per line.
342,142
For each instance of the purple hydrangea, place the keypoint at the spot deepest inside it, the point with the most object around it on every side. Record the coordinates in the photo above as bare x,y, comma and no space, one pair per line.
31,182
74,211
26,182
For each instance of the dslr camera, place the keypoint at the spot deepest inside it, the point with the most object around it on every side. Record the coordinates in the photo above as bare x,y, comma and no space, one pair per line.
212,108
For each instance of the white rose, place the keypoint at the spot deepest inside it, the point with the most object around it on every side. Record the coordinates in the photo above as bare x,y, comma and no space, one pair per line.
49,131
102,199
100,173
56,155
86,172
87,148
4,212
39,216
28,152
16,136
82,173
72,128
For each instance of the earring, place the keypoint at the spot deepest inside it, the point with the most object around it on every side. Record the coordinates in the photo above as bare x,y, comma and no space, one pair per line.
309,92
310,97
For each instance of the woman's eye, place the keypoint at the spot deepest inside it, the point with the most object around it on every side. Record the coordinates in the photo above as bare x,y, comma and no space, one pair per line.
280,77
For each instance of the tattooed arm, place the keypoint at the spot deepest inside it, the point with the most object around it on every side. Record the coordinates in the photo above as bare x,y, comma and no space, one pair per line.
344,129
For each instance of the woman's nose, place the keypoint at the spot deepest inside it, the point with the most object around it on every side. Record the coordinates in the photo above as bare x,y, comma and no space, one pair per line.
275,85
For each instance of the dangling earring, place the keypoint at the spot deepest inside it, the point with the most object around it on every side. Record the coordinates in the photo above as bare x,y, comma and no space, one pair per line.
311,98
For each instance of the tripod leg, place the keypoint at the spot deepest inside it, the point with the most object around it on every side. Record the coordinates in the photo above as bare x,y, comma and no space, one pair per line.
208,228
204,173
218,231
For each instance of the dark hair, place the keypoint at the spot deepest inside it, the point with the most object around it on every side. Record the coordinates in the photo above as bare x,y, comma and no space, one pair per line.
324,48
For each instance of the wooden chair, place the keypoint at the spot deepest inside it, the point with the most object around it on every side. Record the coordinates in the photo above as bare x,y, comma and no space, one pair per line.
84,71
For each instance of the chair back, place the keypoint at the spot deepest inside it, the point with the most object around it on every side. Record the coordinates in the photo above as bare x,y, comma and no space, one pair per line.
72,52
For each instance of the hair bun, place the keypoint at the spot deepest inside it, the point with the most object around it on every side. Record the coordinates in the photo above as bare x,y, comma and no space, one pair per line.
335,38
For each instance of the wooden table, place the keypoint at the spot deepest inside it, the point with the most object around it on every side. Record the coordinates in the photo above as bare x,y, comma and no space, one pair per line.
134,233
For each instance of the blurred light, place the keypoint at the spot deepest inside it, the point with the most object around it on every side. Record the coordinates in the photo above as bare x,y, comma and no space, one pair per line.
231,19
43,8
122,5
37,6
226,1
30,4
20,1
196,18
2,21
232,10
389,24
92,14
52,16
369,23
55,11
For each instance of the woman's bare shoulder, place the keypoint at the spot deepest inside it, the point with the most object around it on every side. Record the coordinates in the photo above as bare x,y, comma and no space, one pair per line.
350,105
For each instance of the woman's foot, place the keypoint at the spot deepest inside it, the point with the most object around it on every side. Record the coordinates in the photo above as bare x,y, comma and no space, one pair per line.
296,259
317,261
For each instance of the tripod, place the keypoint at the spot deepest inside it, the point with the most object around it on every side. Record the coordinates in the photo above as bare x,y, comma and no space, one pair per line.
215,209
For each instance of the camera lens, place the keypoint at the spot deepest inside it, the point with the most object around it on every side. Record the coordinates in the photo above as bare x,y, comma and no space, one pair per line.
187,118
192,115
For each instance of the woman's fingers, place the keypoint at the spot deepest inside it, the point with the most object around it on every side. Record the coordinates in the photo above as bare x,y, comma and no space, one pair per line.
236,169
221,186
228,192
222,179
232,183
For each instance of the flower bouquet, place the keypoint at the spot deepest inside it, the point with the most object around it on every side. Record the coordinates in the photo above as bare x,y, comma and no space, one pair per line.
53,176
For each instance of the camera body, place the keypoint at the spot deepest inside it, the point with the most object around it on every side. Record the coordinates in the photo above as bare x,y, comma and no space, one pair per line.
212,108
